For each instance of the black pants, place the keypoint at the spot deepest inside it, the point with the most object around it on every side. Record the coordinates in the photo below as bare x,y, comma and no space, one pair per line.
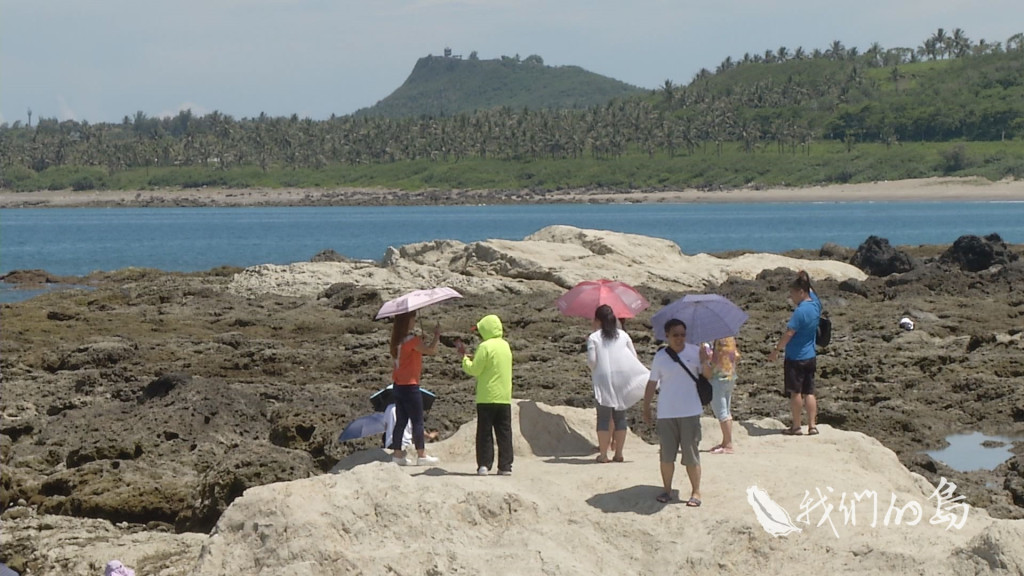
408,407
496,418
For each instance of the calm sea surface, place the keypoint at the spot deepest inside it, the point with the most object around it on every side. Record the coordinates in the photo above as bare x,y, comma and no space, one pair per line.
76,241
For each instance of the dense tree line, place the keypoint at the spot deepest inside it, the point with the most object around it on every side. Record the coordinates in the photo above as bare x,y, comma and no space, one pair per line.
949,88
887,95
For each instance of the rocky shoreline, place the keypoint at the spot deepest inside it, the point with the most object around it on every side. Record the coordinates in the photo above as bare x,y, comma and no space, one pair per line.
156,399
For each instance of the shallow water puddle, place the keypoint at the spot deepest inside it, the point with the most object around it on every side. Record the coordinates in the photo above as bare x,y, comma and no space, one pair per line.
10,293
967,454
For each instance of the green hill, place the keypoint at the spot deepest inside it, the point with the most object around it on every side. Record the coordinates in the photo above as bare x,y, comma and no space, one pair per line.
854,97
447,86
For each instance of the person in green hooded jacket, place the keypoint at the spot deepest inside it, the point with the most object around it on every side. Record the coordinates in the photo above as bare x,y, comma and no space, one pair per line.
492,367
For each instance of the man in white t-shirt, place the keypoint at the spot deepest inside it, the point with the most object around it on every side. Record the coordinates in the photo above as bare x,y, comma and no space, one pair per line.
679,408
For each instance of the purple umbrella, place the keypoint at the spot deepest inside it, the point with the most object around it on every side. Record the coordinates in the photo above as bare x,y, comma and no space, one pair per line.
708,317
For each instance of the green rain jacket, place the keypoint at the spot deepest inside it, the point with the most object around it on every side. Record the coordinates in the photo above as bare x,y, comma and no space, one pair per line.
492,364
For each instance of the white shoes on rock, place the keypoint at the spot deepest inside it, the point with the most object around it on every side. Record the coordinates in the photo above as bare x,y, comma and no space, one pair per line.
481,471
421,461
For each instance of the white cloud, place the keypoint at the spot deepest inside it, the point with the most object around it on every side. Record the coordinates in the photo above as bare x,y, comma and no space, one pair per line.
196,109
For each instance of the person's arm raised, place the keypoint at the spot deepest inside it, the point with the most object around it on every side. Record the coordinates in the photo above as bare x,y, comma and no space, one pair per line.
431,349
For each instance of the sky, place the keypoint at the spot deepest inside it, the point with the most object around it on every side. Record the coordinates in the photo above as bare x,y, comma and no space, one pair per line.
102,61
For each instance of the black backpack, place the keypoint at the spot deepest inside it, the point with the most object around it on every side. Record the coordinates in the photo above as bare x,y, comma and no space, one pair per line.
824,334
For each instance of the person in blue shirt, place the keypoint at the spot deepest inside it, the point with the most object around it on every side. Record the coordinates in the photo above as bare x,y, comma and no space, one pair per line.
801,356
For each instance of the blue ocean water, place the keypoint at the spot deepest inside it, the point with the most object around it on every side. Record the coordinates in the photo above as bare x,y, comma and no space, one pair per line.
76,241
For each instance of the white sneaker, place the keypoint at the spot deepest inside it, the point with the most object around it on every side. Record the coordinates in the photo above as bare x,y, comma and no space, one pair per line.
481,471
400,461
427,460
504,472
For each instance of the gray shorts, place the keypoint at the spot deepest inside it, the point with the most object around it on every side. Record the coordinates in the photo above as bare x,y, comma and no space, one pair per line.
680,433
605,417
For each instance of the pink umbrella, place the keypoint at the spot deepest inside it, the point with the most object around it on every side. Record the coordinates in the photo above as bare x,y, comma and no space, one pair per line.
584,298
415,300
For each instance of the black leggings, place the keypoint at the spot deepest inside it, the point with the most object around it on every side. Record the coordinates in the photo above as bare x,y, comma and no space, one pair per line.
408,407
494,421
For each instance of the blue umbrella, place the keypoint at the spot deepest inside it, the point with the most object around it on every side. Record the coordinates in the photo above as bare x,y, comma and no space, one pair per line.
368,425
708,317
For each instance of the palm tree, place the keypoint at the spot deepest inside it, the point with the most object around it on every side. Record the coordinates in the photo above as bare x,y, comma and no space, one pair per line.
929,49
668,90
782,54
941,42
960,44
836,51
873,55
1015,43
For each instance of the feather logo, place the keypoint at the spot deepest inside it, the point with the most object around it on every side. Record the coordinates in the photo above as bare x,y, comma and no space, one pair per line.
773,518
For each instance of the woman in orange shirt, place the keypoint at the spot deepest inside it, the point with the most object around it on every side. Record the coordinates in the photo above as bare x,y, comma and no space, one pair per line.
407,352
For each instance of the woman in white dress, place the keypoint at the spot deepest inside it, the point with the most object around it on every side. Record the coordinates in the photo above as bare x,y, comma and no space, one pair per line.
619,380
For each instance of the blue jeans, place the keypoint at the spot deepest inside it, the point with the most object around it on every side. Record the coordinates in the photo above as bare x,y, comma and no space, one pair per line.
721,397
408,407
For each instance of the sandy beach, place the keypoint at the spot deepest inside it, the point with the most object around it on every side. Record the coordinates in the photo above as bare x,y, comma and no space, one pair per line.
923,190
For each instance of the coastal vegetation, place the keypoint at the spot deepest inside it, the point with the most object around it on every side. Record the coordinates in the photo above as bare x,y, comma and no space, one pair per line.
952,106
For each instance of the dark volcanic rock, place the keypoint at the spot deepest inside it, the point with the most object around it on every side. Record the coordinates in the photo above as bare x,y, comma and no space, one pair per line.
1014,483
99,355
834,251
853,286
120,491
164,384
255,465
878,258
344,295
974,254
58,316
328,256
113,451
34,276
